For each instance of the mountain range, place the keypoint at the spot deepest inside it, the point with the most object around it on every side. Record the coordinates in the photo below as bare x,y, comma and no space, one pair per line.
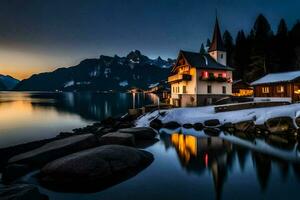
107,73
7,82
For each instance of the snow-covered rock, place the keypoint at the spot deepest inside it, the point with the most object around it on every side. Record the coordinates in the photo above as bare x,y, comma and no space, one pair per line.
201,114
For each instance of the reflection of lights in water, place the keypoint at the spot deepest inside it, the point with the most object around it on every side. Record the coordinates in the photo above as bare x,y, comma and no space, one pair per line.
133,100
106,109
138,99
206,159
69,97
122,96
153,97
186,145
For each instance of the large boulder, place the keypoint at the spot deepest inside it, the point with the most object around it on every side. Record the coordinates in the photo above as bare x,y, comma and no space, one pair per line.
156,124
140,132
247,125
198,126
94,169
280,125
20,192
56,149
212,123
117,138
171,125
187,126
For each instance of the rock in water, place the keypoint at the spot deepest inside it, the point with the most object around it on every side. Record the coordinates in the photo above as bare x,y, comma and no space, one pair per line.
140,132
117,138
21,192
56,149
198,126
212,123
187,126
171,125
280,125
156,124
94,169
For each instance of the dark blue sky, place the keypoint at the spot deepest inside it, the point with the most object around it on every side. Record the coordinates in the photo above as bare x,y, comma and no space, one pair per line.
40,35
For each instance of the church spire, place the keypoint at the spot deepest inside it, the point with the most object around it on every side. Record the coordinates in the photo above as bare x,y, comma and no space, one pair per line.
217,41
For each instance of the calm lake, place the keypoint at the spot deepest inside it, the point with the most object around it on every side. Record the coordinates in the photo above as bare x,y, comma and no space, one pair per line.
28,116
188,164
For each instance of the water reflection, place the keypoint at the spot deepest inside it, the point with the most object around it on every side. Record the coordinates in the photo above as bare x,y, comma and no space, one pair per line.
27,116
218,156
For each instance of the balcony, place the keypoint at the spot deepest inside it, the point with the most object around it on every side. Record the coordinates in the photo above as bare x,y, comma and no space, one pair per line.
216,79
179,77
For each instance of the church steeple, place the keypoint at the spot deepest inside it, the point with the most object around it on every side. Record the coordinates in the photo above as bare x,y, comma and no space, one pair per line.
217,49
217,41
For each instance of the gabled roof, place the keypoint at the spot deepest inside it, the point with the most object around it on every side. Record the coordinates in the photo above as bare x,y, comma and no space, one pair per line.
217,41
202,61
277,78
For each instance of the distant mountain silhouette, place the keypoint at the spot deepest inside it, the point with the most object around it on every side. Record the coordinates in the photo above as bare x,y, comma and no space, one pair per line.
103,74
7,82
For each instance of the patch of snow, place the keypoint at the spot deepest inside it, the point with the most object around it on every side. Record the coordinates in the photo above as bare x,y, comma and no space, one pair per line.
132,61
277,77
201,114
274,99
83,83
153,85
69,83
123,83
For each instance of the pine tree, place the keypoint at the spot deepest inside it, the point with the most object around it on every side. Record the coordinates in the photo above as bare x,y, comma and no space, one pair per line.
260,55
208,43
229,46
281,50
241,56
294,37
202,49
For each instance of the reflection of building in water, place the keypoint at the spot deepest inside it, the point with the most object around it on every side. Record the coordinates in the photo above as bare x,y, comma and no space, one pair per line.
197,154
186,146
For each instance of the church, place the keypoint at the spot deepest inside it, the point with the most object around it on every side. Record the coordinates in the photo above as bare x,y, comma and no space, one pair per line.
200,78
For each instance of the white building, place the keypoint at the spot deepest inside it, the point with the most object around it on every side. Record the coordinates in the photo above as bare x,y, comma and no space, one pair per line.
201,78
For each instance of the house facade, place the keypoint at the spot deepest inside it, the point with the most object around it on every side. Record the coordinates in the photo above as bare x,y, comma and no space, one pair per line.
278,86
241,88
201,78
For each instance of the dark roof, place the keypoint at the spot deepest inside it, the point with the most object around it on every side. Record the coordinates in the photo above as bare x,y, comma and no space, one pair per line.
203,61
217,41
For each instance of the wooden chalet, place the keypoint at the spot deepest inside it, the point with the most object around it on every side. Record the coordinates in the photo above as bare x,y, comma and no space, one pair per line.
285,86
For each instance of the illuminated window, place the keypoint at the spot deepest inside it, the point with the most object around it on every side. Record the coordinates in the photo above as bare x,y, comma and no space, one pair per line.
209,89
265,89
280,89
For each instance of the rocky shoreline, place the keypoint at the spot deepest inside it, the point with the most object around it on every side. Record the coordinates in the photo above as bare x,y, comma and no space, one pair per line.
100,155
88,159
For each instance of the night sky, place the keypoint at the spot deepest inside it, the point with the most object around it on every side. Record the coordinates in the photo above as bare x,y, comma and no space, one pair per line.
41,35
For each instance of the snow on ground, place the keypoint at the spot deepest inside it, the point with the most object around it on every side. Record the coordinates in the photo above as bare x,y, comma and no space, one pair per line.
201,114
123,83
69,83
